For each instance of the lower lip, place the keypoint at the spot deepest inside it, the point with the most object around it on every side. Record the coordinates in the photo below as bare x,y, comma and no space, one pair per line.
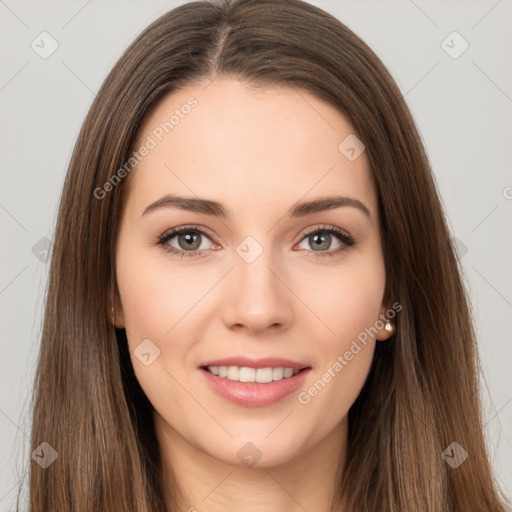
254,394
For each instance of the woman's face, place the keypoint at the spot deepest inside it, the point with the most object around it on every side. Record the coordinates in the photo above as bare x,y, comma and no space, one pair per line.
264,281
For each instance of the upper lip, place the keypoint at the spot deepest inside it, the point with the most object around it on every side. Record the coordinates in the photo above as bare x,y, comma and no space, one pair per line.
264,362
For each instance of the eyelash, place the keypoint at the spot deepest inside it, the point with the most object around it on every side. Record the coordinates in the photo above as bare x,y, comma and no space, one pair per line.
346,239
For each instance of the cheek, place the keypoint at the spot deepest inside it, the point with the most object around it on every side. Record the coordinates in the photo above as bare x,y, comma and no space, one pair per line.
140,292
154,300
162,303
350,310
358,308
348,300
154,297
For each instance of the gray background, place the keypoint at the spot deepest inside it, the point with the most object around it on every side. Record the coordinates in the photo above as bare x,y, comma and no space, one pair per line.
462,106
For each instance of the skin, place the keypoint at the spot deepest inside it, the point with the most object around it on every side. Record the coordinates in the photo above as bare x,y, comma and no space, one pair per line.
257,151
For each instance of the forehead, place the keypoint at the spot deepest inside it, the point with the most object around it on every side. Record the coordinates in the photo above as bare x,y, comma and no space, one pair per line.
248,147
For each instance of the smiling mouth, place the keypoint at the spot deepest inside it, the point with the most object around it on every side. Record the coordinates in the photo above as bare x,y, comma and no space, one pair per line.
253,375
254,387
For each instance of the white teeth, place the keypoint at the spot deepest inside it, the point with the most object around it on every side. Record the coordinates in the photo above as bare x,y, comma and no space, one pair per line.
233,372
277,373
246,374
243,374
263,375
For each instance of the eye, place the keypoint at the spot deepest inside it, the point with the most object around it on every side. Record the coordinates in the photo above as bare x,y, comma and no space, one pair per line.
188,240
320,238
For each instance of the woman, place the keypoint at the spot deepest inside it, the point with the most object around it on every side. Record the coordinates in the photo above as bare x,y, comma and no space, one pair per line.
254,303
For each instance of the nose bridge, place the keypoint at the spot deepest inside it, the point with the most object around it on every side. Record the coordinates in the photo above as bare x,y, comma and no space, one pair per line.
257,297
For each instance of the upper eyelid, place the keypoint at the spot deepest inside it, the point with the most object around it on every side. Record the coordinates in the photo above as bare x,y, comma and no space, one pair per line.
325,227
171,233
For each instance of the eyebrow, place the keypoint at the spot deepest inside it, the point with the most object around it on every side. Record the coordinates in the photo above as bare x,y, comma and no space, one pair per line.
215,209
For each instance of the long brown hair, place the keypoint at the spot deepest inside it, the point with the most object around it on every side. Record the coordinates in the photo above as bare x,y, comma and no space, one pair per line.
421,394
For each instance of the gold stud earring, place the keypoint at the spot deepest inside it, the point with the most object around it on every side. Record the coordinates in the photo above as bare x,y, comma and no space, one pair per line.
389,327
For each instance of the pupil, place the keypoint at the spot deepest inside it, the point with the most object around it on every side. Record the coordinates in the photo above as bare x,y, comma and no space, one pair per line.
318,238
189,238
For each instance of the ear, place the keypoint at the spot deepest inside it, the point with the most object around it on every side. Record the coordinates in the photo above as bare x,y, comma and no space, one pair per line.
385,324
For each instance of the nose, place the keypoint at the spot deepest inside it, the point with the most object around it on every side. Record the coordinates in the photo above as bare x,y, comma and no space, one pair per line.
257,296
